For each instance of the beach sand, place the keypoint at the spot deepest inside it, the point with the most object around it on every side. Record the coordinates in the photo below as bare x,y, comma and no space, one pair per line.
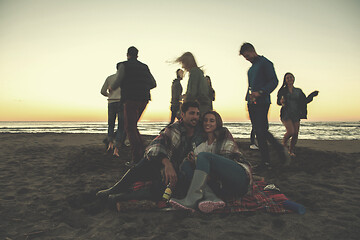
48,184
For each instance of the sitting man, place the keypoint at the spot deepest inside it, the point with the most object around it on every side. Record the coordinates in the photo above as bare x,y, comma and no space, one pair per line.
166,152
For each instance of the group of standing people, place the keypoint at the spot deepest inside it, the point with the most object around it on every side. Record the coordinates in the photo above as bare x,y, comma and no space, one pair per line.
197,156
262,80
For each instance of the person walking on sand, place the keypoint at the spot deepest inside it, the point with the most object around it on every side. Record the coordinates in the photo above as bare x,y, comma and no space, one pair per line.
197,87
294,107
176,92
115,109
135,81
166,153
218,160
262,81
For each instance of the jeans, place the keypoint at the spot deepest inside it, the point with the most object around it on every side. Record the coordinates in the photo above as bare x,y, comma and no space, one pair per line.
259,119
174,110
132,113
233,176
252,136
116,109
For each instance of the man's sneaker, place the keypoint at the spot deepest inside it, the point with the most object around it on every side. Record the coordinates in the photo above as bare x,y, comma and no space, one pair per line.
254,147
127,142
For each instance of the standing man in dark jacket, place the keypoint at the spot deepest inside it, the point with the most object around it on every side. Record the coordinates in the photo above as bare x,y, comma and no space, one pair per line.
262,81
176,92
135,81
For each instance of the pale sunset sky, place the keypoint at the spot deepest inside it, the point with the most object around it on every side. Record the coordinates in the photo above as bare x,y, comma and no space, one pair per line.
55,55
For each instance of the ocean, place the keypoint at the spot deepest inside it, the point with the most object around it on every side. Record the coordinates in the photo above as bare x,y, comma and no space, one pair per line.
308,130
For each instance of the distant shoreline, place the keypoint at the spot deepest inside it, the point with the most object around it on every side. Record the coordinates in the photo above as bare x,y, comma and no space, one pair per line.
74,139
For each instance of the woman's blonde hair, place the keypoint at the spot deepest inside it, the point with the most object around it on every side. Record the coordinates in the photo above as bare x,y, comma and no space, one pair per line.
187,60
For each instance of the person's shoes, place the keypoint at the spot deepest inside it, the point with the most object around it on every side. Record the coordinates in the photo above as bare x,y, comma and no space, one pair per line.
130,164
127,142
254,147
210,202
194,194
292,154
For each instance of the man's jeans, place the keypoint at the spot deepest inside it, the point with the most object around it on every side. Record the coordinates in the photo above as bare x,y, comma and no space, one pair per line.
132,113
259,119
116,109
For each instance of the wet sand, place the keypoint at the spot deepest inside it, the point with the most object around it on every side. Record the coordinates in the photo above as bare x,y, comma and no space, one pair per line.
48,185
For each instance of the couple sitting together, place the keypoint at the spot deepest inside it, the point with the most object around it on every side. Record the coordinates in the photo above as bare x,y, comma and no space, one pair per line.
201,162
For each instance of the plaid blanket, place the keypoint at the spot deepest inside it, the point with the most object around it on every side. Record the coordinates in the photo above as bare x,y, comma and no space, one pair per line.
268,200
262,200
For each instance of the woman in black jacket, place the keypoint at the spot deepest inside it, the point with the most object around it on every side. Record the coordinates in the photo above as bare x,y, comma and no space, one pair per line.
294,107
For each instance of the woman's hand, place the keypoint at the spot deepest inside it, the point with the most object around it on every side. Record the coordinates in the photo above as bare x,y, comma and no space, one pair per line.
170,174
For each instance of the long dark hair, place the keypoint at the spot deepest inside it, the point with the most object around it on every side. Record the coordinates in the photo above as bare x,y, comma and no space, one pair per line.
284,86
220,130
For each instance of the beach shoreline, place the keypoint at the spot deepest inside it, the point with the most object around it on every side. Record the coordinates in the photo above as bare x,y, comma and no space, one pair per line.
49,183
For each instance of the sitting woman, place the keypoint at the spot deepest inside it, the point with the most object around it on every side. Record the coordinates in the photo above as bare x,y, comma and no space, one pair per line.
216,160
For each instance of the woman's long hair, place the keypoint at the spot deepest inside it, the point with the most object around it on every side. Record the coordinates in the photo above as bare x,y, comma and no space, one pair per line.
220,130
187,60
284,85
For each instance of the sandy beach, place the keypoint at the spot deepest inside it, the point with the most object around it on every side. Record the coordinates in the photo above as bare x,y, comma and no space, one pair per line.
48,184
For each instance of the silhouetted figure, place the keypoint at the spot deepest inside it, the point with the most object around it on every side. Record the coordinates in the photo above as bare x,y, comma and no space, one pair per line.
115,109
294,107
197,87
135,81
176,92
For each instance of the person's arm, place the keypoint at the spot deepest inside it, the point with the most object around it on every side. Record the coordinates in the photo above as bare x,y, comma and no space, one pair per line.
170,173
311,96
119,77
280,95
152,82
271,79
105,88
192,86
158,152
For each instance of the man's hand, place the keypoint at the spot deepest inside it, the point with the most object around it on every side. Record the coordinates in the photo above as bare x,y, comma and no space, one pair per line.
170,174
191,157
255,95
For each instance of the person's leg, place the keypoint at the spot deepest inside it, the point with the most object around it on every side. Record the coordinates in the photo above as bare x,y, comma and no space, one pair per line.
294,138
258,117
232,175
174,110
252,136
111,124
142,171
289,126
121,133
132,114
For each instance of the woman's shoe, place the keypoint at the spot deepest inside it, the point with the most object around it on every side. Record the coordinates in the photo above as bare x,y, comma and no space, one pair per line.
211,202
194,194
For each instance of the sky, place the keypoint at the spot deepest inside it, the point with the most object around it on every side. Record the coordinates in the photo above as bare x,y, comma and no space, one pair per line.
56,55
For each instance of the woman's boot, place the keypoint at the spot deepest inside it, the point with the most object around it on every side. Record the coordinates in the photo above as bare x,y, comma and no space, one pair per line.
194,194
210,202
